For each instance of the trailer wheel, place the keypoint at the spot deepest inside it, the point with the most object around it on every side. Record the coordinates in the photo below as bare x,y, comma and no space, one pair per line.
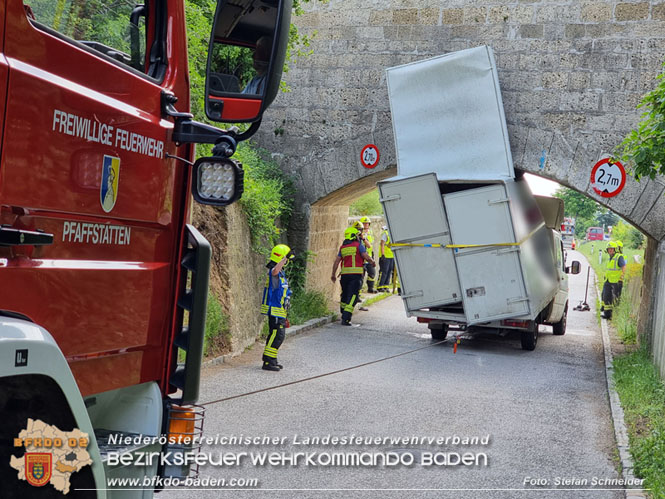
439,332
559,328
529,338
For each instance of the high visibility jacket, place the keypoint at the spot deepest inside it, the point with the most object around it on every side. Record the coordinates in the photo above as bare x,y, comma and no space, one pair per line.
387,252
274,299
613,271
370,243
352,262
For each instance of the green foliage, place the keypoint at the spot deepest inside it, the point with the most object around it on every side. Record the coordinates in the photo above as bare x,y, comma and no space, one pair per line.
199,14
268,197
306,305
582,224
624,318
576,204
296,271
95,21
217,333
367,204
628,235
606,218
644,147
642,395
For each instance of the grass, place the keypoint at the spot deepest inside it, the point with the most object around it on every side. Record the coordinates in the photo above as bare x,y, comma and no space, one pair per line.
624,317
217,333
599,269
306,305
642,396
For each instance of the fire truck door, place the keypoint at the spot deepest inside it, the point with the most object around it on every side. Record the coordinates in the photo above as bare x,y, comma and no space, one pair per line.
84,160
4,71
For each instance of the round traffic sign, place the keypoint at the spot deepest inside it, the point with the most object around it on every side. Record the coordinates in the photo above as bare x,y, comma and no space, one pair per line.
608,178
369,156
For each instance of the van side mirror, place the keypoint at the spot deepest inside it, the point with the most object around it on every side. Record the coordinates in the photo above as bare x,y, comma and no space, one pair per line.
245,58
574,268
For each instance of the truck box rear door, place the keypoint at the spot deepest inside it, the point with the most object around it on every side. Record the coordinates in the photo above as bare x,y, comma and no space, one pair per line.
491,277
416,216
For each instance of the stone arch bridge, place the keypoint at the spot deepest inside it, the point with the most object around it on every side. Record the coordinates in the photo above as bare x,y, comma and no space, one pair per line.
571,73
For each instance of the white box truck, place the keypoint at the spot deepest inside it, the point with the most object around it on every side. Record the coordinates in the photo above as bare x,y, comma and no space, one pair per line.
473,247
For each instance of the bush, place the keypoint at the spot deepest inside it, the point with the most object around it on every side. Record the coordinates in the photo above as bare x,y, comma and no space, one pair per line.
268,197
306,305
628,235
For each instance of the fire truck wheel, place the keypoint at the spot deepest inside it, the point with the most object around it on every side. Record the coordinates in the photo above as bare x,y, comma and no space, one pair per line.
439,332
559,328
529,338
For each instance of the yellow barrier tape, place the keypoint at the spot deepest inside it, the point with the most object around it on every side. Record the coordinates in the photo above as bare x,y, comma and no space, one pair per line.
452,246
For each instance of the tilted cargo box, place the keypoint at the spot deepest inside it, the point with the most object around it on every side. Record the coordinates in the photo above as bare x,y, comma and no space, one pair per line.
485,248
470,242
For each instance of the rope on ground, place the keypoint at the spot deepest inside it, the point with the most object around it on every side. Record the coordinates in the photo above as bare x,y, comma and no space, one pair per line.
320,375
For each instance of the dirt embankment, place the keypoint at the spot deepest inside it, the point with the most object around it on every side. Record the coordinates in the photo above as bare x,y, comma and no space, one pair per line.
237,273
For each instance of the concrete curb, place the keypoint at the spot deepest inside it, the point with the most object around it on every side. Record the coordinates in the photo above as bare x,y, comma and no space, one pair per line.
620,431
290,331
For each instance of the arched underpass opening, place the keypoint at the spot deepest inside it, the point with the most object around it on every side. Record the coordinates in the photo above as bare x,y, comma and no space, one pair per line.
328,218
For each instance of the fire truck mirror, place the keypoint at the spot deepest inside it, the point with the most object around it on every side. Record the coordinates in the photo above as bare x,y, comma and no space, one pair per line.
245,58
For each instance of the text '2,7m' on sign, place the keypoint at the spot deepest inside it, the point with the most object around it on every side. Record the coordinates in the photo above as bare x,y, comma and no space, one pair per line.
369,156
608,178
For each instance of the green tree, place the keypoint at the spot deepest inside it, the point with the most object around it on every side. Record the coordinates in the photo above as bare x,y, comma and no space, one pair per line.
607,218
627,234
644,147
582,224
576,205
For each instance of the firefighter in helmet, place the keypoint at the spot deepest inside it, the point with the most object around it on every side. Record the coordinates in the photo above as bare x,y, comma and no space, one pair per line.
352,255
386,262
614,273
275,304
368,242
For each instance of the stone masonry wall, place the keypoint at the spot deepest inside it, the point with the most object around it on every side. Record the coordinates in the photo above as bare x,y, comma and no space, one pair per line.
571,74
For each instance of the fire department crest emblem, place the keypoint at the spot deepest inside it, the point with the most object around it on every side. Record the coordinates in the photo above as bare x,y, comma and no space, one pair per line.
108,192
37,468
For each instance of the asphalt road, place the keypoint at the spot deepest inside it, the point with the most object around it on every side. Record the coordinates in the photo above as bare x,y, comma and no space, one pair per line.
545,413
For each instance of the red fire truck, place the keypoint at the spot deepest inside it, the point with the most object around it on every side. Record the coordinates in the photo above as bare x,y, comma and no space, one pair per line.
103,282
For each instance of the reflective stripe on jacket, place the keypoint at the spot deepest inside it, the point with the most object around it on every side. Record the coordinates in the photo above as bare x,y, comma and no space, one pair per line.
613,271
352,262
273,299
387,252
370,243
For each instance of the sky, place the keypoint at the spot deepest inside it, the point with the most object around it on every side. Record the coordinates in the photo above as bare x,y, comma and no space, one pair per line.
541,186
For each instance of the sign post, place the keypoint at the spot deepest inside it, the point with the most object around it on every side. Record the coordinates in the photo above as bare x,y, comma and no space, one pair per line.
608,178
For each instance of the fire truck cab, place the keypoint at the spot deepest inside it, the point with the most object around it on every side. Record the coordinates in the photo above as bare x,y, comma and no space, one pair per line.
103,283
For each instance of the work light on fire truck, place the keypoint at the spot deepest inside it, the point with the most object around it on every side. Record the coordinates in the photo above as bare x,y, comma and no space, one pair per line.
218,181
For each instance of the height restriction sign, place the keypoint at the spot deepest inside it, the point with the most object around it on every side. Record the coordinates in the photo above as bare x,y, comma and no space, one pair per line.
608,178
369,156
